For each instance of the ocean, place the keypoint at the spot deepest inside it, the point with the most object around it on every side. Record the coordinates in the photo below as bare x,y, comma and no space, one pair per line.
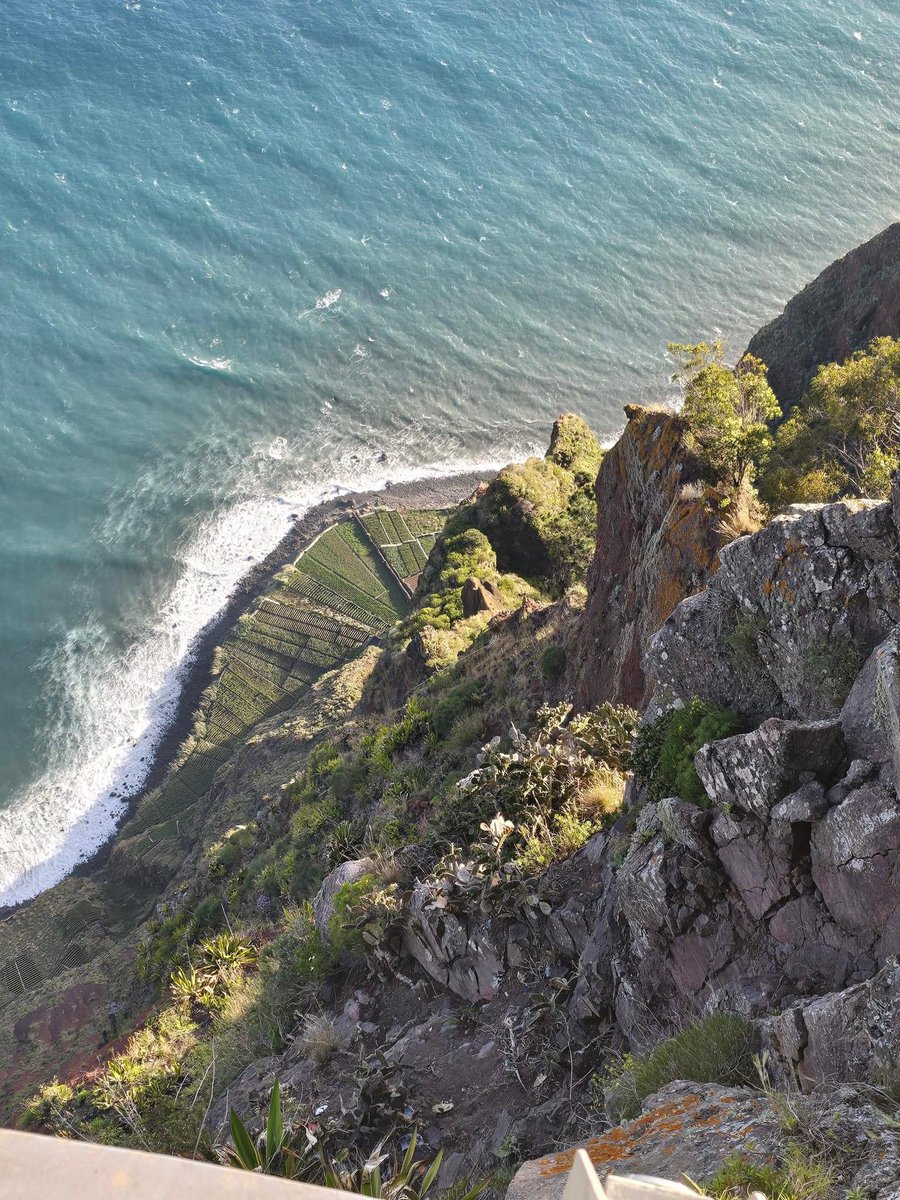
254,253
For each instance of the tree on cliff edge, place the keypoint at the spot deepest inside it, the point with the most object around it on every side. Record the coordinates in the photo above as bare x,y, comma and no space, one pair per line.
727,409
843,438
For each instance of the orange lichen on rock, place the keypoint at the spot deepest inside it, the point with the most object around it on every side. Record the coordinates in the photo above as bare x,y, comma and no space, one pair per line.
620,1144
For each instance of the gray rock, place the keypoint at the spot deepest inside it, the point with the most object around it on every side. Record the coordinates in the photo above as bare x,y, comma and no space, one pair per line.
807,804
455,949
755,770
685,1129
785,624
852,1035
323,903
856,866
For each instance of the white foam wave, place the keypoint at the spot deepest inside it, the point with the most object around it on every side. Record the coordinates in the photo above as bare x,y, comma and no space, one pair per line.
213,364
115,707
329,298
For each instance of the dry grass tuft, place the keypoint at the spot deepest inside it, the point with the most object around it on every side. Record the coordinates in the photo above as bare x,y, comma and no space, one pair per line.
319,1038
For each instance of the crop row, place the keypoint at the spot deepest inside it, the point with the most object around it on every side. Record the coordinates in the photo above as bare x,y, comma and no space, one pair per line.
348,559
425,521
266,665
303,621
383,611
305,585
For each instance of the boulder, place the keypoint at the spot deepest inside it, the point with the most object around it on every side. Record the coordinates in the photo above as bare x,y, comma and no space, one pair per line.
851,1035
753,771
480,596
685,1129
323,902
856,866
693,1129
787,622
456,950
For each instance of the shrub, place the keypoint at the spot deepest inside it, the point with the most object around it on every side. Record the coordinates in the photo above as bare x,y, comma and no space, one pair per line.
832,665
457,702
606,733
49,1107
718,1049
362,912
541,515
843,438
553,663
726,410
800,1176
664,749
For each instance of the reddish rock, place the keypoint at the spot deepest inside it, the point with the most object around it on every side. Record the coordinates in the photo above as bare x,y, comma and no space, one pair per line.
478,597
658,541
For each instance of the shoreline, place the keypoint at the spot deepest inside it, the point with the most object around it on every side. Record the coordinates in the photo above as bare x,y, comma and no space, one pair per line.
439,491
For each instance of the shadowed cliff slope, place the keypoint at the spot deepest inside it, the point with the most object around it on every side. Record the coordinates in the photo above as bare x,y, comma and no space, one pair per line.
854,300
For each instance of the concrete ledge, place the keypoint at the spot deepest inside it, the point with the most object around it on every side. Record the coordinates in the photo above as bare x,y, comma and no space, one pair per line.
33,1167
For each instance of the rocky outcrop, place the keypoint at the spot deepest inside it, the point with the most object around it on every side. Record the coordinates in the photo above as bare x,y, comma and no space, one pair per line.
456,951
480,596
852,1035
684,1129
790,617
854,300
323,902
658,540
693,1130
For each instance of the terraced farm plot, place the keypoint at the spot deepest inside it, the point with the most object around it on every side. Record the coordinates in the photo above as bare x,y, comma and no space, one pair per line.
405,539
344,562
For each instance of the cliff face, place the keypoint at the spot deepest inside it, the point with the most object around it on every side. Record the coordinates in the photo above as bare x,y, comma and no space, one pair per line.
658,540
854,300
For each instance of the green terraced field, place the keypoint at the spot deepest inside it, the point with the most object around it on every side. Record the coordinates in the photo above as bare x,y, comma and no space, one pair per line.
405,539
320,611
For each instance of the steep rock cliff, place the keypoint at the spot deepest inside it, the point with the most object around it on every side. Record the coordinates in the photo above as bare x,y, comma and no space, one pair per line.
854,300
658,539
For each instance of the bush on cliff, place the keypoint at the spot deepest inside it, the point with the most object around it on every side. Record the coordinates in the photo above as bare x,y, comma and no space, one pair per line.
664,749
727,410
718,1049
843,438
540,516
554,786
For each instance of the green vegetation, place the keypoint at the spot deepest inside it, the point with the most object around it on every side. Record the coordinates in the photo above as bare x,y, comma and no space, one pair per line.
548,793
405,539
843,438
718,1049
553,663
307,1152
800,1176
727,410
831,666
540,515
664,749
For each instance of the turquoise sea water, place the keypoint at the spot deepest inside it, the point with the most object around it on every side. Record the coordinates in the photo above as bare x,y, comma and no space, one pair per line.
248,247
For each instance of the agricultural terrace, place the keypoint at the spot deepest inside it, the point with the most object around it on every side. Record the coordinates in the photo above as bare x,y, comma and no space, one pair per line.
404,539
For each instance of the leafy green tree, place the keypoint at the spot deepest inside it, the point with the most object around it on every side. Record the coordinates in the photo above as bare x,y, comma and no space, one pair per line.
844,436
727,409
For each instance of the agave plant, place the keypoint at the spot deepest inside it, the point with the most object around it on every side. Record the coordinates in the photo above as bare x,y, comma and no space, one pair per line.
300,1154
277,1150
226,952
